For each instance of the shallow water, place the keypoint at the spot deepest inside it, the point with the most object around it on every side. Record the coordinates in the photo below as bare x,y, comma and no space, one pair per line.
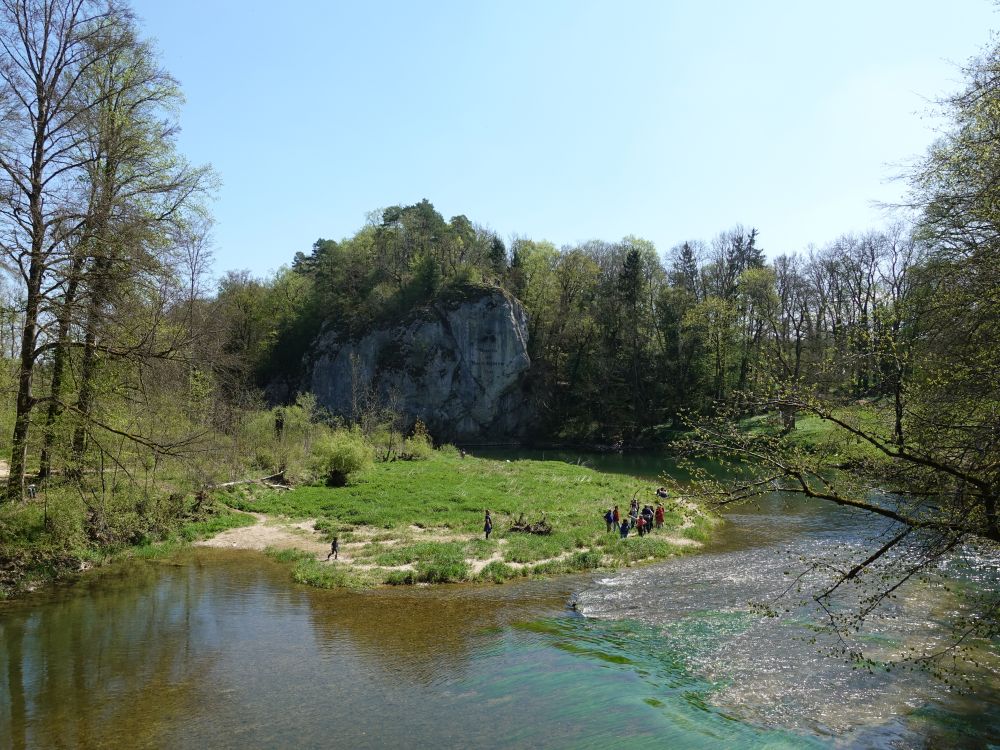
778,672
220,649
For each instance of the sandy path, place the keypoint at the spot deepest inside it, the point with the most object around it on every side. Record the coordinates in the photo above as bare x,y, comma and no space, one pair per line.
282,533
271,532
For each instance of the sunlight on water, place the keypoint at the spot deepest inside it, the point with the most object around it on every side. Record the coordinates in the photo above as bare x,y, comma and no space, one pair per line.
219,649
777,672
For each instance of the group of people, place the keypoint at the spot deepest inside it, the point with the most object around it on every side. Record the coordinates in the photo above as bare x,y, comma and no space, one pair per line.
643,521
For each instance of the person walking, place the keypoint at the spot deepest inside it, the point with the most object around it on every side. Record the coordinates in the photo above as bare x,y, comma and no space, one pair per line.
659,515
488,525
617,518
334,549
647,513
609,519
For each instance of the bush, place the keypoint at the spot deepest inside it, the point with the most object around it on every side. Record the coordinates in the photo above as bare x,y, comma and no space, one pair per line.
400,578
313,573
442,571
338,455
417,448
65,521
585,560
289,555
497,572
443,563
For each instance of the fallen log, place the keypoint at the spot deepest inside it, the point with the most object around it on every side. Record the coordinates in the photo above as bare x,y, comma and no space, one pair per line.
268,481
542,528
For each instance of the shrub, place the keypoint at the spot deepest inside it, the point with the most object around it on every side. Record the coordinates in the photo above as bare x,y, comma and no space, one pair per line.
442,570
288,555
400,578
497,572
417,448
436,562
585,560
65,521
338,455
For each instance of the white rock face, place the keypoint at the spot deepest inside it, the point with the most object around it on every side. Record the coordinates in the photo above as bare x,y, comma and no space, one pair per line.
458,368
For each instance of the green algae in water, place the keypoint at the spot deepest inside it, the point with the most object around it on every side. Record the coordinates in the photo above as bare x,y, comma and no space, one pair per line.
650,686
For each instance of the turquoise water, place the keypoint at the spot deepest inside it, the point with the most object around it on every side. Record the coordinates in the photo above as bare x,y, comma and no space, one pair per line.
220,649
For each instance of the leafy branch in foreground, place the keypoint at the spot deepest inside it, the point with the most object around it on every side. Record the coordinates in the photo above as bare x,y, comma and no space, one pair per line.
929,510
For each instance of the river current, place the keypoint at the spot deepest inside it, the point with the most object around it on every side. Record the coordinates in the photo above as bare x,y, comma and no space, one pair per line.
220,649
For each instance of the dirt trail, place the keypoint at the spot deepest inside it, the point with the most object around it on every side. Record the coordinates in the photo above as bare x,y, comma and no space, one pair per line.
271,532
282,533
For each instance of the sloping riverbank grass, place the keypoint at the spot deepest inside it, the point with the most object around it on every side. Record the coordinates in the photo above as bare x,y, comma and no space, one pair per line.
815,435
422,521
55,535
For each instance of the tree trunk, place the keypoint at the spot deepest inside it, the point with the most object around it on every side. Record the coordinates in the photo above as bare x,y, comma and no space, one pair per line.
88,365
58,370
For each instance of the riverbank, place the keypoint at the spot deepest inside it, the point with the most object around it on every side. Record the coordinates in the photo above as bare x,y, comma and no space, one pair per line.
400,522
52,538
406,522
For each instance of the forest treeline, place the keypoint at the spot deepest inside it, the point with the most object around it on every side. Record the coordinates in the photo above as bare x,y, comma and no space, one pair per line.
623,339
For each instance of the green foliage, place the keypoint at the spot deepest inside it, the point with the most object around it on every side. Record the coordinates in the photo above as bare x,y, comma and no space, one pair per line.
215,523
338,455
497,572
285,555
417,448
442,569
526,548
406,257
449,492
639,548
421,552
48,537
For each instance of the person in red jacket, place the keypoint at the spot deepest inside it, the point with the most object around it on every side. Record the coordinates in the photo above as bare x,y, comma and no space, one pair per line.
659,515
618,519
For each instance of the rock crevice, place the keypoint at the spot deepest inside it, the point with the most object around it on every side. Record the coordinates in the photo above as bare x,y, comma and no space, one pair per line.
461,370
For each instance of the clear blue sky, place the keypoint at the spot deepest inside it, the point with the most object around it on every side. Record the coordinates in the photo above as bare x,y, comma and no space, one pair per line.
564,121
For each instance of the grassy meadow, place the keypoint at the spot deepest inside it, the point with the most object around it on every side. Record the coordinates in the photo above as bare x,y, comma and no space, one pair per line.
422,521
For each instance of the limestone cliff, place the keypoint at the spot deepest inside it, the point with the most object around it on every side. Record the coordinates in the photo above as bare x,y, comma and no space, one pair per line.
459,367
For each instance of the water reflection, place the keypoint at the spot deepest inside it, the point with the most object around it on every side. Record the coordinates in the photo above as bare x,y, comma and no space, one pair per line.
426,635
76,668
220,649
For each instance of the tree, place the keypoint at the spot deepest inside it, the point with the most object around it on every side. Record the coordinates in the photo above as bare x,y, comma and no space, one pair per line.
98,200
48,48
922,317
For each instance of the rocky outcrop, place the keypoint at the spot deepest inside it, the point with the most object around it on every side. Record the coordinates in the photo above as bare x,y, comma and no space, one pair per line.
459,367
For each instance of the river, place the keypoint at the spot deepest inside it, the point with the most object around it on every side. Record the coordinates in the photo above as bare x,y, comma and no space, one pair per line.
220,649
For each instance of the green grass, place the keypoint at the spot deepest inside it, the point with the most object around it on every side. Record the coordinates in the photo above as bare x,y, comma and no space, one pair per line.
816,435
450,494
445,495
45,539
497,572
